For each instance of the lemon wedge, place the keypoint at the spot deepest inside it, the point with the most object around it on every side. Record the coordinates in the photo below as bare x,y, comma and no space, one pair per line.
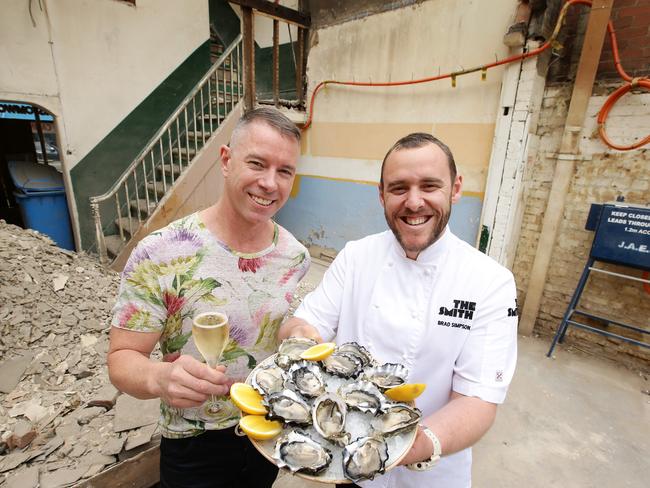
406,392
258,427
318,352
247,399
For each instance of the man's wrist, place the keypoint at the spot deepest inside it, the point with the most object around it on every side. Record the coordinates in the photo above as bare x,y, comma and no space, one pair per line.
435,454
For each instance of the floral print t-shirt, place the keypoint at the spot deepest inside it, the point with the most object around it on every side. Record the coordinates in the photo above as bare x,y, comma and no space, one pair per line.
182,270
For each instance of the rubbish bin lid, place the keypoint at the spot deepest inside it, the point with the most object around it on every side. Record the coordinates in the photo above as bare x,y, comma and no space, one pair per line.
32,177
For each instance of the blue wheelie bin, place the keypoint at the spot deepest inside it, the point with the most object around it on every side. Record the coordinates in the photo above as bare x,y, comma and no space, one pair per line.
40,195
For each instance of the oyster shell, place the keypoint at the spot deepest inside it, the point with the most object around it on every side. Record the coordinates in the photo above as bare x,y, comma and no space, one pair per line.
268,379
396,417
307,378
387,375
363,396
343,364
298,452
359,351
364,458
328,417
287,406
290,349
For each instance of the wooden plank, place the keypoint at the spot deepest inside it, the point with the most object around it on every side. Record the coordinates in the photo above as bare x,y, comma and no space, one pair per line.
249,58
141,471
589,57
276,11
276,63
300,63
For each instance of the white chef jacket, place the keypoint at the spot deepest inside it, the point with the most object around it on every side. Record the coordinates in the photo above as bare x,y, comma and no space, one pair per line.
450,317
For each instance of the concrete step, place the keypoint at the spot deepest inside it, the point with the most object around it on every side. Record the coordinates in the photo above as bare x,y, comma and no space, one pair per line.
192,134
185,152
128,225
114,244
214,118
226,74
223,96
141,207
168,170
157,189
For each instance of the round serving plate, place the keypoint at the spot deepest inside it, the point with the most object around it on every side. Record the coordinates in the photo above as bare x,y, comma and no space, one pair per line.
358,424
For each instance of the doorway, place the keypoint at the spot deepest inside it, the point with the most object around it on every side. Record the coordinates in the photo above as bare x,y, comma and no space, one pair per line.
32,193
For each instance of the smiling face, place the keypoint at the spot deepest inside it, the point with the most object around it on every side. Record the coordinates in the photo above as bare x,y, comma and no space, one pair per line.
417,193
258,170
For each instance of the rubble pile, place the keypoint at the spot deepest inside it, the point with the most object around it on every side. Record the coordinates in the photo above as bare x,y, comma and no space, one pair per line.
60,418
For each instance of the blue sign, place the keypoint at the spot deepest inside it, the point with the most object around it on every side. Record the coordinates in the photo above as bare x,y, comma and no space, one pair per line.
622,235
23,111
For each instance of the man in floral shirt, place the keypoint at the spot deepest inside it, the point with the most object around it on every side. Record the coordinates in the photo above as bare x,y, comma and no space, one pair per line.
231,258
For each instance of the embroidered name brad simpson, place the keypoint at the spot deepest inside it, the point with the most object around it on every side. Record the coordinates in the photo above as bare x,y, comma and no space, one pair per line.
462,309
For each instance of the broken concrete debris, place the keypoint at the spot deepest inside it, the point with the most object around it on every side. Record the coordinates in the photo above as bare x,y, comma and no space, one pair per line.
57,406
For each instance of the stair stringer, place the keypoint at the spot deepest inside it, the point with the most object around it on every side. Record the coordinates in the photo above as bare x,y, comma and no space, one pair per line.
198,187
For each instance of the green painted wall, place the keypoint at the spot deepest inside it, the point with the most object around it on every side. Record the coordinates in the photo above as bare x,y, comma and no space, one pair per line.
101,167
225,21
264,72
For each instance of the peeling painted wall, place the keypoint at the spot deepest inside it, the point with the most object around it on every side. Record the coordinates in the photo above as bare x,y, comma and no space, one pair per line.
603,175
354,127
91,63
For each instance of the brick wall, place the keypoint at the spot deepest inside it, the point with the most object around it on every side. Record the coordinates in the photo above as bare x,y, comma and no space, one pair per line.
631,20
603,176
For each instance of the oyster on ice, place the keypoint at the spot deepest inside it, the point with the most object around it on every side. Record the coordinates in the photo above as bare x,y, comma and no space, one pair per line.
287,406
396,417
387,375
363,396
290,349
307,378
298,452
364,458
343,364
328,417
268,379
359,351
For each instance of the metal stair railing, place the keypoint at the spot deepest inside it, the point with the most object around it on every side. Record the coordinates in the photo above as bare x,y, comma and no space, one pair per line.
142,186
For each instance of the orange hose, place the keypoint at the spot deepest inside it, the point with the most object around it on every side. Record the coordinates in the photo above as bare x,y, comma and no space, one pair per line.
602,115
617,95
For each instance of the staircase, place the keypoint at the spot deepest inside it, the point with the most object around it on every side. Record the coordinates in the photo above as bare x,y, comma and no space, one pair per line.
146,184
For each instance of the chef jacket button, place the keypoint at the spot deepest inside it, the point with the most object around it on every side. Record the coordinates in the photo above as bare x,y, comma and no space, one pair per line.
390,263
427,272
376,305
414,314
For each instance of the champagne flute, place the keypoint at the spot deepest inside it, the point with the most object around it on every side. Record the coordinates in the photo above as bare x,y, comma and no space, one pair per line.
210,331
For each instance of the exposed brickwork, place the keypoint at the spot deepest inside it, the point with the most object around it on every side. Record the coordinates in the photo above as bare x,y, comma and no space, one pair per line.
524,117
603,177
631,20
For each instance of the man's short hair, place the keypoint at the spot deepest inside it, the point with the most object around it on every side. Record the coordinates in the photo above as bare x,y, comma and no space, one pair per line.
270,116
416,140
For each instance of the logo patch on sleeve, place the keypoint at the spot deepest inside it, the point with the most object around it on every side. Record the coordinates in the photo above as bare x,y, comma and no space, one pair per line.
514,312
498,377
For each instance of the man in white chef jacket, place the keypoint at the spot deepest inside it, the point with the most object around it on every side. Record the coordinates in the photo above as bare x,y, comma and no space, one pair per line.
420,296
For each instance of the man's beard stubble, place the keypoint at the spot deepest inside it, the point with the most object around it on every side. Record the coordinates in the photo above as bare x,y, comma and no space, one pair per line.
435,233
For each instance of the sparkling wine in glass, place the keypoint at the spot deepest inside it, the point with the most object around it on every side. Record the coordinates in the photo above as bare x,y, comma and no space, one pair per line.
210,331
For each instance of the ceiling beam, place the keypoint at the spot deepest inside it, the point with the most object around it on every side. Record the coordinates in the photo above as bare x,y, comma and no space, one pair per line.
276,11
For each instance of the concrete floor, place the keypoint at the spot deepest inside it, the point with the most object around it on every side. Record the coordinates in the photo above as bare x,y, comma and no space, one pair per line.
573,421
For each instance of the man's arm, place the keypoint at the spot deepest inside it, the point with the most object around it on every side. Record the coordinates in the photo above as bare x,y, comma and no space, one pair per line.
457,425
295,327
183,383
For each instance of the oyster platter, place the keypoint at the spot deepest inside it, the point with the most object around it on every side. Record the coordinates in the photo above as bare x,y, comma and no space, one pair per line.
338,426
